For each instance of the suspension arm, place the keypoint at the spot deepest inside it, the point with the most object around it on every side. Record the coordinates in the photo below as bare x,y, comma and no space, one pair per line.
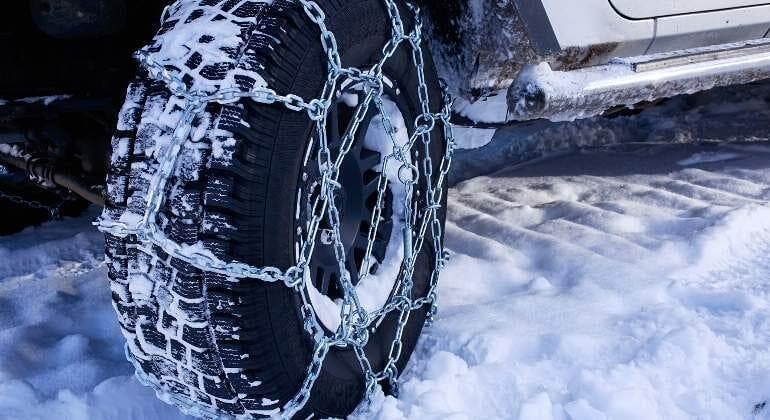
46,170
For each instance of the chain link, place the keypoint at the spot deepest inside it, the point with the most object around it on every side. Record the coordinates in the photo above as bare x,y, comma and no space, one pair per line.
52,210
356,321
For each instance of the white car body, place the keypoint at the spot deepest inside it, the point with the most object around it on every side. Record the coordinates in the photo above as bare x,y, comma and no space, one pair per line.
528,46
644,27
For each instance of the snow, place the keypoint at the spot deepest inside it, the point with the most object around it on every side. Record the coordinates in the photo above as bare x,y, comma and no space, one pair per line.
60,353
627,281
204,21
45,100
706,157
472,138
490,108
631,290
721,115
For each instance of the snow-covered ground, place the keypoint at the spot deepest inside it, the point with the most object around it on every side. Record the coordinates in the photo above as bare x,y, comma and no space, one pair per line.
630,281
610,285
61,355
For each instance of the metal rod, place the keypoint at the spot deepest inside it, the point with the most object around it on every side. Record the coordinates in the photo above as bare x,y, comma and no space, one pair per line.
50,173
540,92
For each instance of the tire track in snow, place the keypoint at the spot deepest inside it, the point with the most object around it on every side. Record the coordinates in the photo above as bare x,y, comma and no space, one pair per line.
672,321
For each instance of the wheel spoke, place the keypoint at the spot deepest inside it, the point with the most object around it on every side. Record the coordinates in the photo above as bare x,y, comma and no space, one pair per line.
374,267
369,159
353,267
384,229
326,277
378,250
371,187
333,122
361,241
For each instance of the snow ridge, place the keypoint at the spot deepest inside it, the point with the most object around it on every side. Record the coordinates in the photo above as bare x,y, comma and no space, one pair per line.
605,285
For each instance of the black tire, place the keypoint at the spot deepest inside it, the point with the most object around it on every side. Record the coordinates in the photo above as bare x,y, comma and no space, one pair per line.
210,344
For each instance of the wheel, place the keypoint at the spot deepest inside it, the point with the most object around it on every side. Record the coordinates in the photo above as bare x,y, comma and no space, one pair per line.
242,190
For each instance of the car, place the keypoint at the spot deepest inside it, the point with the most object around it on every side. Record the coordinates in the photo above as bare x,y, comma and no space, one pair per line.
274,177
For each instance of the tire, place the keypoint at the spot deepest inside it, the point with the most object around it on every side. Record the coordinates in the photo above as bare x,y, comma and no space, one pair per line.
219,346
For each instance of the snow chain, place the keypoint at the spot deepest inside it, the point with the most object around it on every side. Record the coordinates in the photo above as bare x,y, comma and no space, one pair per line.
353,331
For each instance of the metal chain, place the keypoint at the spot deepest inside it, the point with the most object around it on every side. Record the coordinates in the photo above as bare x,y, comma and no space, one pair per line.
53,211
354,329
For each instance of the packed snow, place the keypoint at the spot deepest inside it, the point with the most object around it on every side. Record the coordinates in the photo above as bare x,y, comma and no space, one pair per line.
615,285
621,274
